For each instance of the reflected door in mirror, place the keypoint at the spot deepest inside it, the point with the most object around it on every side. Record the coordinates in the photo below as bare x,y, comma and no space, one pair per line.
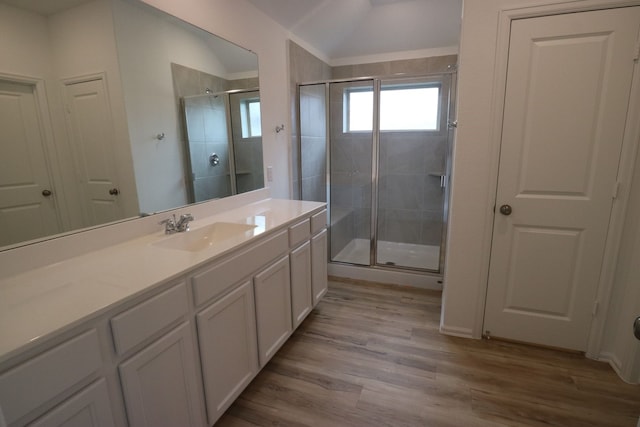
92,138
27,203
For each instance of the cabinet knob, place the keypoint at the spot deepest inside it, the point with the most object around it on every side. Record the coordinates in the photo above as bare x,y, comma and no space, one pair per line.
46,193
114,192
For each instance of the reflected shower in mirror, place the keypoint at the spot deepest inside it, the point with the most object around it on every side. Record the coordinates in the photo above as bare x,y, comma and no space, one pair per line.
90,105
223,136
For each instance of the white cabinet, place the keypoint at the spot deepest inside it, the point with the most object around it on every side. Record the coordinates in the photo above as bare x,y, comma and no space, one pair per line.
228,348
161,385
90,407
273,308
50,376
301,299
319,283
146,360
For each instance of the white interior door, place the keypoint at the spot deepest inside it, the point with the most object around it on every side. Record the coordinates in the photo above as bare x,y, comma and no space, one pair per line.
92,136
27,203
568,85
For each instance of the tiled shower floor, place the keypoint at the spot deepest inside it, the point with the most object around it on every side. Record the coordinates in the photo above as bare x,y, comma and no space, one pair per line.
391,253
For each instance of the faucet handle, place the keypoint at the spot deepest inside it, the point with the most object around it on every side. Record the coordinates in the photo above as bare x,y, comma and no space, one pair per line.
183,223
169,224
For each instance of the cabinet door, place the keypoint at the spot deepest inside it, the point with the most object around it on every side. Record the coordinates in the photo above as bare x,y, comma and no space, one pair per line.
300,283
319,266
228,348
160,383
90,407
273,308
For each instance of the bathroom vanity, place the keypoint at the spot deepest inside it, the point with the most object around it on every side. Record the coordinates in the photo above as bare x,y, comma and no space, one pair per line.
157,330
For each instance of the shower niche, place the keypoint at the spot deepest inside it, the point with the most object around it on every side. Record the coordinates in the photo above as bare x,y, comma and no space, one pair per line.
377,151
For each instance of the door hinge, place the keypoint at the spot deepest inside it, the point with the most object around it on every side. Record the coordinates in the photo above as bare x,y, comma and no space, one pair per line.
453,124
616,189
596,306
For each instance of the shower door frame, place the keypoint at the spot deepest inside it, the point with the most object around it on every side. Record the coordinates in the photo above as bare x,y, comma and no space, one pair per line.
451,125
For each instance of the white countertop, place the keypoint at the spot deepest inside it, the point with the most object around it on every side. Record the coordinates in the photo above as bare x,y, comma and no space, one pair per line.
46,300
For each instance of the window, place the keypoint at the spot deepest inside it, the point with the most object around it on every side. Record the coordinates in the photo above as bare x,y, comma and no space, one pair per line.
250,117
402,107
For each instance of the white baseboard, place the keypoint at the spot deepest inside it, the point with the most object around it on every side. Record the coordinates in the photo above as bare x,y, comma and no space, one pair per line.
456,331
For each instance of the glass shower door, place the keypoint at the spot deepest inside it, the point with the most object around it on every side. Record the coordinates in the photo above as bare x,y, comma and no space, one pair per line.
207,137
351,152
413,148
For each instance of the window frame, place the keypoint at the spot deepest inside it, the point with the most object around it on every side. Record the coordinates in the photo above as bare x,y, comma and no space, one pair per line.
346,105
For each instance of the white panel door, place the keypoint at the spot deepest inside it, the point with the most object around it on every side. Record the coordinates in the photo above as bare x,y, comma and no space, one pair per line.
91,407
27,204
301,297
92,135
161,385
273,308
568,85
228,348
319,277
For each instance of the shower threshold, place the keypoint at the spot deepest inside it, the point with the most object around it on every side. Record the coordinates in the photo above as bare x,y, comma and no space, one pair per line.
392,254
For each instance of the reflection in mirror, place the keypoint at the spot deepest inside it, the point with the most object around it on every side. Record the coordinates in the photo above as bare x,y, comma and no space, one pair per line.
223,134
93,129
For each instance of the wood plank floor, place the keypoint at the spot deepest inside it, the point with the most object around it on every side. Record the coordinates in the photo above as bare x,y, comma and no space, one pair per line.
371,355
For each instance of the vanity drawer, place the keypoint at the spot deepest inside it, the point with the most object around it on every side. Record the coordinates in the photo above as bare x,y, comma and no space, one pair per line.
47,376
144,320
215,280
299,232
319,222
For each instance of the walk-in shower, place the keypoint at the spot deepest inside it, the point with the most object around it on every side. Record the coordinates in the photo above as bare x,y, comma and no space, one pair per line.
377,151
224,143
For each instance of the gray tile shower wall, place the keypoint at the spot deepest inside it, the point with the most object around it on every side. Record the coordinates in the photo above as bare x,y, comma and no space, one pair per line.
418,66
410,196
303,67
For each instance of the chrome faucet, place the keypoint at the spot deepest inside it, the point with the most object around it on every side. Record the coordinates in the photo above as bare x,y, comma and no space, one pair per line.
173,225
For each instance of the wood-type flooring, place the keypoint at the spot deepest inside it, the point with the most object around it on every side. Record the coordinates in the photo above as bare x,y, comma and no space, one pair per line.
371,355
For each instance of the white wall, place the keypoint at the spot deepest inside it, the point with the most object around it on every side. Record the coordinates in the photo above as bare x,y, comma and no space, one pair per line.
24,46
475,164
241,23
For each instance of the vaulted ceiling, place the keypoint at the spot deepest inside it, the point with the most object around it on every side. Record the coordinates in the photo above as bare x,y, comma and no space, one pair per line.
340,29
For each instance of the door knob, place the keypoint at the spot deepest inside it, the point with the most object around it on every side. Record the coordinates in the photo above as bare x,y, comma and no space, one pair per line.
46,193
636,327
114,192
506,210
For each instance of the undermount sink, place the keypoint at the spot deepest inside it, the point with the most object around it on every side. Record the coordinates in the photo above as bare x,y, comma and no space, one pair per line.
204,237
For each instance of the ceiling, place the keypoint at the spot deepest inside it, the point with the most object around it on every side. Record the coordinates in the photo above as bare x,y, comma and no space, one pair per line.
342,29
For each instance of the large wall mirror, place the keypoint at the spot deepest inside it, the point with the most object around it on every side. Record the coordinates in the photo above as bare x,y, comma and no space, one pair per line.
111,109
